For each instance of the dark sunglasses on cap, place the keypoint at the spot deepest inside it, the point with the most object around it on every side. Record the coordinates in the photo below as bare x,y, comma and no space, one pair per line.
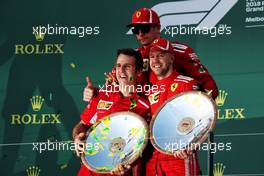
143,28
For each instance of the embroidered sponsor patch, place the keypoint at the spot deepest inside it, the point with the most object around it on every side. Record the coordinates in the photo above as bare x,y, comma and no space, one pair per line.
138,14
104,104
174,86
154,98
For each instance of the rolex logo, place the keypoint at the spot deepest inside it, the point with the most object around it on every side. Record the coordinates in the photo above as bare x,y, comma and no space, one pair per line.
33,171
220,100
36,102
39,35
36,118
219,169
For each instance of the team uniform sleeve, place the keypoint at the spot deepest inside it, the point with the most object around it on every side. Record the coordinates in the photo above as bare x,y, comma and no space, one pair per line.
90,111
188,63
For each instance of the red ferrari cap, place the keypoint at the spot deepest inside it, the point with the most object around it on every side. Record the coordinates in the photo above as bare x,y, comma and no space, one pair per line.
162,44
144,16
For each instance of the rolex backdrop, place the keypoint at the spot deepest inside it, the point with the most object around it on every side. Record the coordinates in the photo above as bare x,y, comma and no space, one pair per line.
47,48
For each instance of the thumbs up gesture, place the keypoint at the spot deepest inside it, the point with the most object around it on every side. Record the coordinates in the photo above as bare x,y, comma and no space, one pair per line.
88,91
89,82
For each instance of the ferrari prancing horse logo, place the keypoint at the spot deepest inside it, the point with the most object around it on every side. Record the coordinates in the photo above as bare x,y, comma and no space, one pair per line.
138,14
174,86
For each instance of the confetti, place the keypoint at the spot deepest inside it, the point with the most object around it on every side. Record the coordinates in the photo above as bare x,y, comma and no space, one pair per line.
72,65
63,166
131,78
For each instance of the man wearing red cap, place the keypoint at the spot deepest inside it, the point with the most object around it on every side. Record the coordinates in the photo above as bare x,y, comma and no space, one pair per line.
146,27
169,83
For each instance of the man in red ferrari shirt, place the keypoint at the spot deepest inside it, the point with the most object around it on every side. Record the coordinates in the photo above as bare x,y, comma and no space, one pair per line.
145,26
125,98
168,83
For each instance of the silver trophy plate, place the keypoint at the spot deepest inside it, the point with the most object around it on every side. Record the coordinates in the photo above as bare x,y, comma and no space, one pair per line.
183,121
118,138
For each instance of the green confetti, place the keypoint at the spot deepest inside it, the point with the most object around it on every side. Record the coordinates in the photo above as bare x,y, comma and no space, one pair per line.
102,169
133,103
94,136
63,166
72,65
91,151
131,78
107,129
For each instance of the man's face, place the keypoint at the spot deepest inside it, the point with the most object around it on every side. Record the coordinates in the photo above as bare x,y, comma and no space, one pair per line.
161,63
126,70
146,34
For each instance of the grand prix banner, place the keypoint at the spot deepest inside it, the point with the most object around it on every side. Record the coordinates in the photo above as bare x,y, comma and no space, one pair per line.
43,75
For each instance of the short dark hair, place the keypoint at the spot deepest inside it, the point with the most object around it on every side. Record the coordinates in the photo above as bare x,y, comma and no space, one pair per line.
132,52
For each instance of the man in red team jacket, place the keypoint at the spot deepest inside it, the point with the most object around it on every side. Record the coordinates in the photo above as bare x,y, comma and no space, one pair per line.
168,82
145,26
125,98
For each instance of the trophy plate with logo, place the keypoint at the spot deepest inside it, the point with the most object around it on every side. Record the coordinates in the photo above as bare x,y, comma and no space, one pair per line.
182,121
119,138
